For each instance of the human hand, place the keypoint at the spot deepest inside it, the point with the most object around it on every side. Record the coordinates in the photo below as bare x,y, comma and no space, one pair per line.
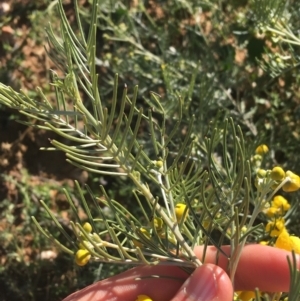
260,267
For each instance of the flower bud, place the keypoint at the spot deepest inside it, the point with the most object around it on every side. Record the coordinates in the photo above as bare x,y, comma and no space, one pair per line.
180,209
87,227
261,150
261,173
277,174
82,257
159,163
158,223
293,184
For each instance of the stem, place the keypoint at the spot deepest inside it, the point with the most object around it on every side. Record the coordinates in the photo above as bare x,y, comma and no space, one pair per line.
171,224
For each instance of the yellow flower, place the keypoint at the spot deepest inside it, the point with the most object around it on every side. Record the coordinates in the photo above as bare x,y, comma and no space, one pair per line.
278,207
87,227
280,202
180,209
261,173
273,211
275,227
246,295
293,184
143,298
159,163
264,243
261,149
277,174
288,242
82,257
145,233
158,223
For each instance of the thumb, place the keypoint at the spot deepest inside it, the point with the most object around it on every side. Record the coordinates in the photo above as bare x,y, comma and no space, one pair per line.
207,283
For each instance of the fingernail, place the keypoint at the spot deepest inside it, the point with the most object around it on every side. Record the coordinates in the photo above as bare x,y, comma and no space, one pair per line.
200,286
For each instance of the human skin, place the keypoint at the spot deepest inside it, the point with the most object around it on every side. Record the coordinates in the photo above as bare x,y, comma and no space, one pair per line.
260,267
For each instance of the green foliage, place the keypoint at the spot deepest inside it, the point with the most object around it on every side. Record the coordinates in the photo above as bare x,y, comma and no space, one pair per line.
176,139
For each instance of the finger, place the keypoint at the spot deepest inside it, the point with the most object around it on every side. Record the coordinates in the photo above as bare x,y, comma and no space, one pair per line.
134,282
260,267
207,283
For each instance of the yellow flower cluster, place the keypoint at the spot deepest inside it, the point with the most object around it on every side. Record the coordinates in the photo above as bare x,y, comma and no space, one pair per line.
276,226
288,180
83,255
275,210
288,242
158,225
279,206
284,240
291,181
